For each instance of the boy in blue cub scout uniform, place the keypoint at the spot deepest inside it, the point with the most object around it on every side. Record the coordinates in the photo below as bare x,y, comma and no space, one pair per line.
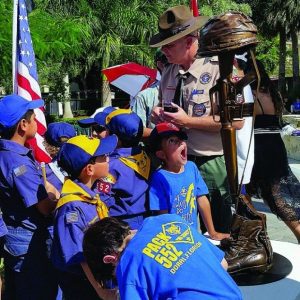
124,189
85,160
165,259
178,186
24,201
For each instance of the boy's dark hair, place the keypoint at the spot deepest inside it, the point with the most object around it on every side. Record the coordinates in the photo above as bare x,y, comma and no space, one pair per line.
102,238
8,133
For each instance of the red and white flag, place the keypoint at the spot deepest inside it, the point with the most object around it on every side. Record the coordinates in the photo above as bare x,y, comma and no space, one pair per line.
25,77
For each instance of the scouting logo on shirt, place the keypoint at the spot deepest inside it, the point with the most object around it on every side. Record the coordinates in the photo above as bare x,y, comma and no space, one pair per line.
205,78
199,109
72,217
178,232
20,170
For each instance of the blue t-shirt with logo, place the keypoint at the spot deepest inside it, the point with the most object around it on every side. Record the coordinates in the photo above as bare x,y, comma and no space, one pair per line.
178,193
168,259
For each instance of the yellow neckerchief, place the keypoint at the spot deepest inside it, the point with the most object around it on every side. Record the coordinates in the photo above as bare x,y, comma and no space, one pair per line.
139,162
73,192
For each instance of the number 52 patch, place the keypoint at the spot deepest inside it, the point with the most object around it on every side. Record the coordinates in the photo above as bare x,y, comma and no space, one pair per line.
103,187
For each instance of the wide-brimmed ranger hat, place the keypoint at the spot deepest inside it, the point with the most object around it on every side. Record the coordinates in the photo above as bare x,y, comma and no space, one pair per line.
175,23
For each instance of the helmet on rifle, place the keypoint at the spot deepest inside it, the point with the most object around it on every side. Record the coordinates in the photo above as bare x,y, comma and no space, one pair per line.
226,32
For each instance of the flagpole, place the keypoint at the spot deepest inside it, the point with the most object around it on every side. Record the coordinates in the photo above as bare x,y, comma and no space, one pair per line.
194,8
14,45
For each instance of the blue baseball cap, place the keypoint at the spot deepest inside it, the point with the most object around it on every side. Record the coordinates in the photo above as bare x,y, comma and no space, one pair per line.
13,108
76,153
56,131
100,117
86,122
126,124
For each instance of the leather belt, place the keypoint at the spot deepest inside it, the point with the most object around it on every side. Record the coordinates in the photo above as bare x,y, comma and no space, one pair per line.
240,111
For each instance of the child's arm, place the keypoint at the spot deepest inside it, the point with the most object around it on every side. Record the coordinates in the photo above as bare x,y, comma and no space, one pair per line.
224,264
205,211
105,294
47,205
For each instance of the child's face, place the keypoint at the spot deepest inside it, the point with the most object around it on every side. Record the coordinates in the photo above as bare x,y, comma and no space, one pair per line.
101,166
174,152
31,127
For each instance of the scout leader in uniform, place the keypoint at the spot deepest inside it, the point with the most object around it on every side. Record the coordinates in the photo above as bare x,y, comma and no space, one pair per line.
187,81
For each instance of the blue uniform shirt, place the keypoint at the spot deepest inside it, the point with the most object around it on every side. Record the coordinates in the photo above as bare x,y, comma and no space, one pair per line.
21,187
167,259
71,220
124,190
178,193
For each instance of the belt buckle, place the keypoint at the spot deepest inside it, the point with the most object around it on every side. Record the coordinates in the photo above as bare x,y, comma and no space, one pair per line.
236,112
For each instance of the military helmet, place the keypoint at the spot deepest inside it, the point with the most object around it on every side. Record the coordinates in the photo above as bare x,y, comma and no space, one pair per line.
228,31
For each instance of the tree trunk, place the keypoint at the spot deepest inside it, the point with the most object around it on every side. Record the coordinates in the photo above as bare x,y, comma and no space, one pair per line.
67,104
105,89
106,94
296,77
282,57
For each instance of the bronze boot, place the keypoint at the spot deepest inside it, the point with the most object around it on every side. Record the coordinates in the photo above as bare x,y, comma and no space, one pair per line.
244,251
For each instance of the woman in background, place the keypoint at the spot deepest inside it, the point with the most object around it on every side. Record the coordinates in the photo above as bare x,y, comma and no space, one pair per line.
271,178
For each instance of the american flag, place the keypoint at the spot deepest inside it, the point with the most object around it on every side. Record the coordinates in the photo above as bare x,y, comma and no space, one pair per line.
25,77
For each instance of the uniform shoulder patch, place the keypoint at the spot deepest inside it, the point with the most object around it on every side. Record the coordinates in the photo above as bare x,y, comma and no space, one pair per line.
72,217
20,170
205,78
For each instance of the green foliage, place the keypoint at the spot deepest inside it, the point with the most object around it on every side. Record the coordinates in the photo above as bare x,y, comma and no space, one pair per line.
216,7
268,52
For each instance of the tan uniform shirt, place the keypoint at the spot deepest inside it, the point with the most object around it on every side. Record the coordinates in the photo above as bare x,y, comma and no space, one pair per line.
201,76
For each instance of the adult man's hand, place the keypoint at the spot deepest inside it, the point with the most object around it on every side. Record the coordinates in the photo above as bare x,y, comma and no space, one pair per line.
179,118
157,115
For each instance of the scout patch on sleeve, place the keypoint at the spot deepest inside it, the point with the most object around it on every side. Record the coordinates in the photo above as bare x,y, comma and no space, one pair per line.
72,217
20,170
199,109
205,78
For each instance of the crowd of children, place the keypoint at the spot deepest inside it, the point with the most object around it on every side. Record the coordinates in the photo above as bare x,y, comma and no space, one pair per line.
89,178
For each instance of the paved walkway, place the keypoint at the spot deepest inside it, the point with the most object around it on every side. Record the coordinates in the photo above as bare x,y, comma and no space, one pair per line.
277,230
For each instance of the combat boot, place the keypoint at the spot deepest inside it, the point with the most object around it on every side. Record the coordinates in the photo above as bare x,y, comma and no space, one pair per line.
244,251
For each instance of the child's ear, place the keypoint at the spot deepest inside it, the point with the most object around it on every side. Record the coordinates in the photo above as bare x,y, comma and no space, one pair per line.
89,169
160,154
110,259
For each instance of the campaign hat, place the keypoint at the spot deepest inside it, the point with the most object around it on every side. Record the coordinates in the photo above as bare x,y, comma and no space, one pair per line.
175,23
